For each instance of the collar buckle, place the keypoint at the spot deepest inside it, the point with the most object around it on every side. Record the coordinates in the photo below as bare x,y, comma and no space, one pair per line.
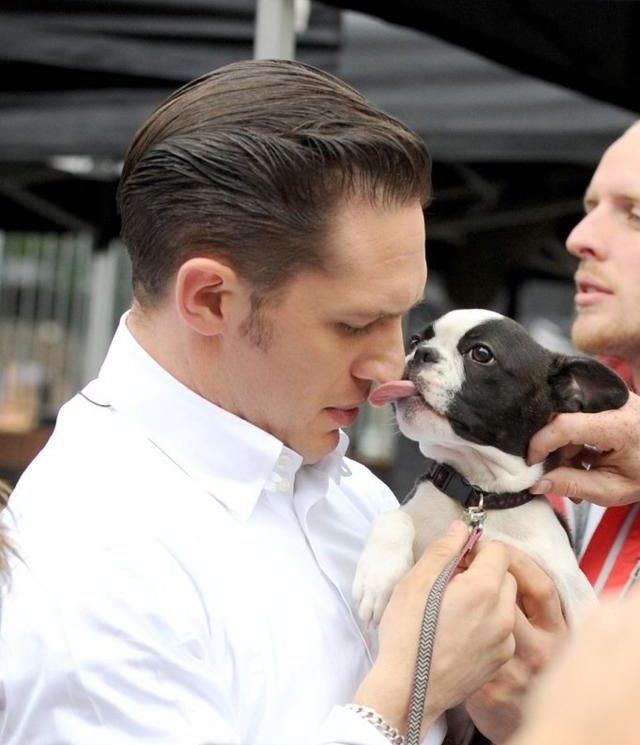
454,485
448,480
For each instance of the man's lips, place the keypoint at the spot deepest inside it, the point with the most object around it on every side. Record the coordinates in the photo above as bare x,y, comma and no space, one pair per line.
590,291
344,416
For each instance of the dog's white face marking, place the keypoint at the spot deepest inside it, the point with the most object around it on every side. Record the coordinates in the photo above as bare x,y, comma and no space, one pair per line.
441,380
425,419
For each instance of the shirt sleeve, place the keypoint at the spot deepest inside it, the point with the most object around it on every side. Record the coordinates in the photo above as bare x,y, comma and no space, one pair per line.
106,657
125,674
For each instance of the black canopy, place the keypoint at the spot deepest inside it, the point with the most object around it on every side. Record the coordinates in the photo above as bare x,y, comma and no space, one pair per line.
516,102
78,76
586,45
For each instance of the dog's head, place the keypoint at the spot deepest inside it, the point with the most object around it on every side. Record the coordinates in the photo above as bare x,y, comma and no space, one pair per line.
475,379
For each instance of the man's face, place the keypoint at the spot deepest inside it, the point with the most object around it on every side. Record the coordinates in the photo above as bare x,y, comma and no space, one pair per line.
607,243
330,336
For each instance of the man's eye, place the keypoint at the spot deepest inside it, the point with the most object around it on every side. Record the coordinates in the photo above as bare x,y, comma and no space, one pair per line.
634,218
349,330
481,353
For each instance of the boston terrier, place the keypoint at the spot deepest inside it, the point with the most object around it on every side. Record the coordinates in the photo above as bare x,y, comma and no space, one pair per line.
476,387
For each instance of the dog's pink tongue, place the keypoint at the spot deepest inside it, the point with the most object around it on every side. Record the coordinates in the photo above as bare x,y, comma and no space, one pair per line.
393,391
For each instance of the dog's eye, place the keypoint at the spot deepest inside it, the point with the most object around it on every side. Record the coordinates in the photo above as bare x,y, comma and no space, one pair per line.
414,341
481,353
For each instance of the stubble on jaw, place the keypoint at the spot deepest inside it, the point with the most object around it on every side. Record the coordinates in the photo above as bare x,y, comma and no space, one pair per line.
605,337
257,327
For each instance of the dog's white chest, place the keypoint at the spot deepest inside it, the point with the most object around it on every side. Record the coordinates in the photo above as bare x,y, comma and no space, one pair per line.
398,537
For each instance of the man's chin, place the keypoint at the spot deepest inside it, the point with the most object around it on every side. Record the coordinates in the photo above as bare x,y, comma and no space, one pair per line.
315,451
585,343
595,339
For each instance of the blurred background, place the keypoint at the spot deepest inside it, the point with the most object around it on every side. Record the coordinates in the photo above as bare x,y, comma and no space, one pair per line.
516,101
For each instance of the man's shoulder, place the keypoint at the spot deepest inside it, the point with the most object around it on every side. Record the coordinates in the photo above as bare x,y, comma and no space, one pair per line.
95,474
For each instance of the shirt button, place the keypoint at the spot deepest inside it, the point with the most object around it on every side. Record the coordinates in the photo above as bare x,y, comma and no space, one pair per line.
284,485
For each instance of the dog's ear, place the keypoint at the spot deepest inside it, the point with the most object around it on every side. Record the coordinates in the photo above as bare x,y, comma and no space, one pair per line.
584,384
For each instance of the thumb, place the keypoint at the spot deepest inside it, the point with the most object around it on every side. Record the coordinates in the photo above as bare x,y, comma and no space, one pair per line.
569,482
440,552
597,486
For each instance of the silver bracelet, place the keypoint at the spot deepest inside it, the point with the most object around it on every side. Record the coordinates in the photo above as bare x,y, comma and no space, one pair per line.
372,716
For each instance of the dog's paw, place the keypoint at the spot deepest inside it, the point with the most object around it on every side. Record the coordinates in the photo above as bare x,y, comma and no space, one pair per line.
376,575
387,554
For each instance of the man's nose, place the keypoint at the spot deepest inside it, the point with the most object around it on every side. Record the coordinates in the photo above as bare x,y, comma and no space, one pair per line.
384,360
588,238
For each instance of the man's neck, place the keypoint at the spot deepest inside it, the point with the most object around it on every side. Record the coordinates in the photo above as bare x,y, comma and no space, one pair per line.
162,337
627,369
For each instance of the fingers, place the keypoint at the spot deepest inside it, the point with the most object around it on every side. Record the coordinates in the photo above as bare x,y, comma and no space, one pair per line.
539,625
440,552
537,593
573,431
584,695
492,590
534,647
613,475
611,430
496,708
474,636
475,631
412,588
388,687
490,558
607,430
598,485
410,592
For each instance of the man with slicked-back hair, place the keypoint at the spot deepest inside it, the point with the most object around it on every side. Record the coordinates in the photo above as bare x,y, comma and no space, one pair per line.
189,534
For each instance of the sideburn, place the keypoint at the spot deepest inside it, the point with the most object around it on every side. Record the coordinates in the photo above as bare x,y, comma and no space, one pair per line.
257,326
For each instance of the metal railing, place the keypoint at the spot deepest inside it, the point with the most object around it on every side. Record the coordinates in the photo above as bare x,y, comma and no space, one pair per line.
59,302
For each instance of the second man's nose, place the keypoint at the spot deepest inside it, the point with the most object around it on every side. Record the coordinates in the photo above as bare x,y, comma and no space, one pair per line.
586,240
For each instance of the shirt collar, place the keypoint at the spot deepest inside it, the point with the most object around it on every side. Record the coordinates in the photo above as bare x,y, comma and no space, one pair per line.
231,458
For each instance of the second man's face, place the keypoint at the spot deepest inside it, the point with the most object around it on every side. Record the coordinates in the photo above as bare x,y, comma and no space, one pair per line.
607,243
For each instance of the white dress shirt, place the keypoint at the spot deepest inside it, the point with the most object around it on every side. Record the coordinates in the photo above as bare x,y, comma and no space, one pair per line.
184,579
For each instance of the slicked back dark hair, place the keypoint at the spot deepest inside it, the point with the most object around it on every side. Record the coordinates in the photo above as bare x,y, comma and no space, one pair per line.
249,163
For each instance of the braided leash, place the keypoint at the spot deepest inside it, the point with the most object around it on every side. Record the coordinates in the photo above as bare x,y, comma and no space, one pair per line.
475,518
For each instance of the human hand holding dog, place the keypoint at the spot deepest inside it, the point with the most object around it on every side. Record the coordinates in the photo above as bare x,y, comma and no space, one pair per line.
474,636
587,694
613,477
496,708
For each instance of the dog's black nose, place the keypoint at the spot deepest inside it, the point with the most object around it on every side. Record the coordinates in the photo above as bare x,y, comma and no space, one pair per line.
425,354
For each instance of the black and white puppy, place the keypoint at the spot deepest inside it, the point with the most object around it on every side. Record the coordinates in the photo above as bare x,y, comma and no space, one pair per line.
476,388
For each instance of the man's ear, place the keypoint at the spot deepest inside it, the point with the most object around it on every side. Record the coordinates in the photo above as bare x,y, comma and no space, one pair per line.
204,286
584,384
